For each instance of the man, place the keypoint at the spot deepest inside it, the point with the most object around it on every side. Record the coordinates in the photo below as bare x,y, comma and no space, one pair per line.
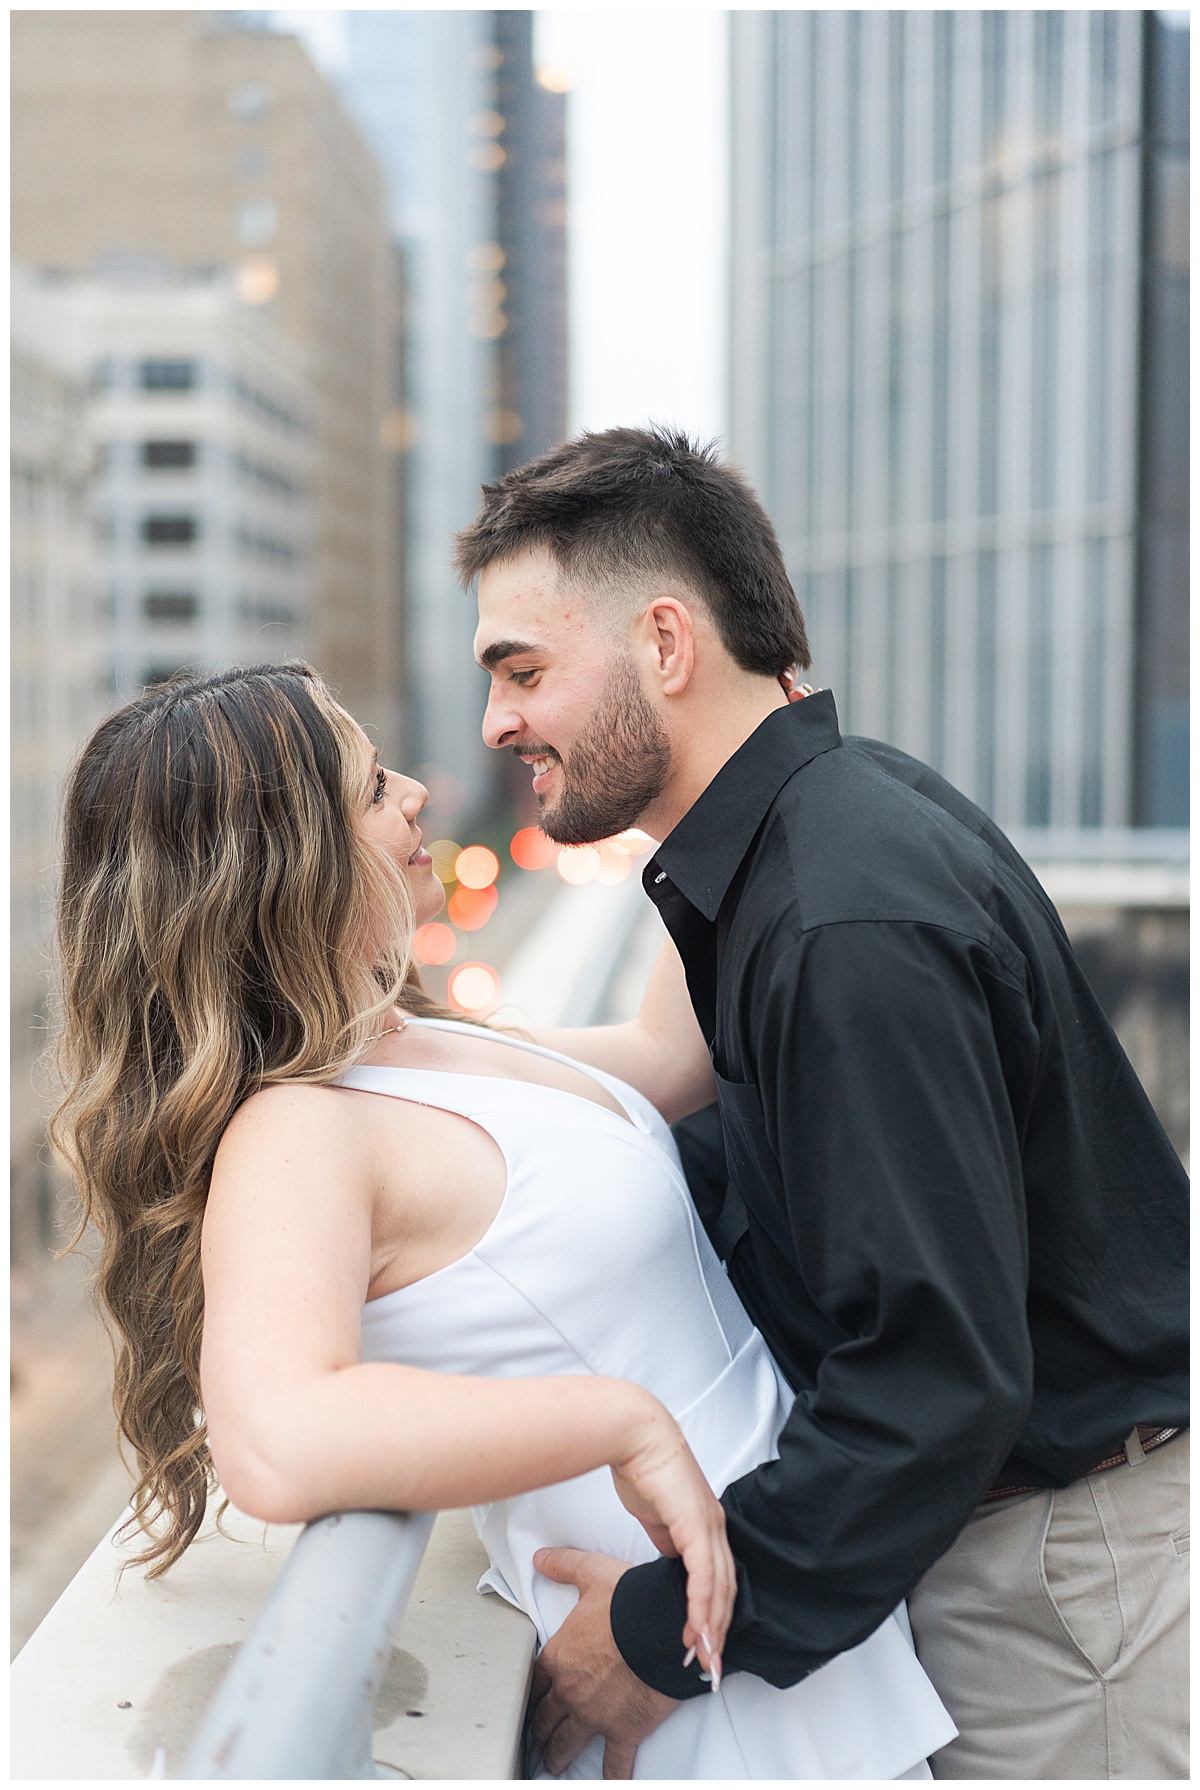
936,1183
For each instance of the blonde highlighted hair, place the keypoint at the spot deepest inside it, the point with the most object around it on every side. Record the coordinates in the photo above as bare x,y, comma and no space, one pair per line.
223,924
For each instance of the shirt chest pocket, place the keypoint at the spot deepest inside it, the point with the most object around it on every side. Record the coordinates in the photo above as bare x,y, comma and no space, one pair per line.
753,1170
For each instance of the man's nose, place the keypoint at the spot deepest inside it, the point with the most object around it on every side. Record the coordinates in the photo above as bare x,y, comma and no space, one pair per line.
501,722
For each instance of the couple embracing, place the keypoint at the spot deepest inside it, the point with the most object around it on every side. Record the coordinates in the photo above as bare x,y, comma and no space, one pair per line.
812,1347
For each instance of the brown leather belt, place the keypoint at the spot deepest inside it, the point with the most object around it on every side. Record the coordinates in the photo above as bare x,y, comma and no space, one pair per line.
1142,1440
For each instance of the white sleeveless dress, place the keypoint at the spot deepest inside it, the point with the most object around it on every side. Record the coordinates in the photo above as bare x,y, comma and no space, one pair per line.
596,1263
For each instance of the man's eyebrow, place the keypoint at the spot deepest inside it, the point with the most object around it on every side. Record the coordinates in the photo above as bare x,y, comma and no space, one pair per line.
493,655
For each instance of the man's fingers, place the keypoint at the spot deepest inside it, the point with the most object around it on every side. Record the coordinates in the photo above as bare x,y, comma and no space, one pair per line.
568,1739
566,1566
618,1759
542,1680
550,1713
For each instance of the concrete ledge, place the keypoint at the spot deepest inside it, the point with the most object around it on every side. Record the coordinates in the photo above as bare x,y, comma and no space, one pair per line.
114,1684
1136,885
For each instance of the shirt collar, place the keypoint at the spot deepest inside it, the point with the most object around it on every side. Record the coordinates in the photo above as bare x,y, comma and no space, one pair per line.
702,854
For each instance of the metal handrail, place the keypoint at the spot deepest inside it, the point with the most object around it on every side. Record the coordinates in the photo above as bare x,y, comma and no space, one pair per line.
298,1700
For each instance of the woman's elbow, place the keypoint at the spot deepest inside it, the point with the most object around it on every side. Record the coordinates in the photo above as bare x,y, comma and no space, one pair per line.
259,1486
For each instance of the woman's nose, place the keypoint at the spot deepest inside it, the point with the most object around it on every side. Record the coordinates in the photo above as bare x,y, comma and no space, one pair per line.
415,796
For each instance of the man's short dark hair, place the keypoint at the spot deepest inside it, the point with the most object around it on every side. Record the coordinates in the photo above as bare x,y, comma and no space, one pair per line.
649,502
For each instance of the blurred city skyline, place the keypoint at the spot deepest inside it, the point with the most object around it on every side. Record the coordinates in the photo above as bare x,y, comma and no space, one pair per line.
648,173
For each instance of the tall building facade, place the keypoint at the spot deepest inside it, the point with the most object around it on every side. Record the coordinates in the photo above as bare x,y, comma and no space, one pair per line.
59,688
531,229
1164,487
202,425
958,367
474,149
184,139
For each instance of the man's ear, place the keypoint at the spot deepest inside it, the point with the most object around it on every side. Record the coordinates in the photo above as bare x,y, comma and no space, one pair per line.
672,638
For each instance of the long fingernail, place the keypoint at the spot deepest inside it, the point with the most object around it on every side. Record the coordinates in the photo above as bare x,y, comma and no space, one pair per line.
688,1657
716,1673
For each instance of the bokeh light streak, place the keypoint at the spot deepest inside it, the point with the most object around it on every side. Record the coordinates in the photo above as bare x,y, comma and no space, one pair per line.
477,867
475,989
445,854
578,864
470,909
434,943
531,850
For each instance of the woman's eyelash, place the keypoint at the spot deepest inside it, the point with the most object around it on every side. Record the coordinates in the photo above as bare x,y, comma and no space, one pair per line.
380,787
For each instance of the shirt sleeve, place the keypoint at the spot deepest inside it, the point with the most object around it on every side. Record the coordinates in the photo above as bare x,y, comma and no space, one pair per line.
892,1062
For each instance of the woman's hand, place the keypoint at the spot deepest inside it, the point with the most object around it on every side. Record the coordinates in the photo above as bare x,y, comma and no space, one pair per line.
660,1483
793,689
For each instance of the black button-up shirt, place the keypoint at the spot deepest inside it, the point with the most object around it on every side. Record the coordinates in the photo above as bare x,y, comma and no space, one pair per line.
946,1202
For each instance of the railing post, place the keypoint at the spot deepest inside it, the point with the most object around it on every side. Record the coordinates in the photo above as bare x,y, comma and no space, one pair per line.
298,1699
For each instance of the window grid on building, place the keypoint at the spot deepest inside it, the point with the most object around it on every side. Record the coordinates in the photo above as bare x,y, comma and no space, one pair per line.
934,378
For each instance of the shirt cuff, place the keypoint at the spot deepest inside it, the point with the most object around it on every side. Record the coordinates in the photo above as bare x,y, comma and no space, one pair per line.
648,1617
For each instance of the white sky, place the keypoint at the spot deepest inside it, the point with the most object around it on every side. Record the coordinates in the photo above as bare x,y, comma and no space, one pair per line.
647,174
647,186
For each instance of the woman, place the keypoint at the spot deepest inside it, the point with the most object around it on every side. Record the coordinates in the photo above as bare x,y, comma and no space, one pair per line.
393,1260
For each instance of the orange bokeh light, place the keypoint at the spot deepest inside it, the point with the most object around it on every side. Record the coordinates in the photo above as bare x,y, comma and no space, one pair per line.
474,988
578,863
434,943
633,841
470,909
531,850
615,863
477,867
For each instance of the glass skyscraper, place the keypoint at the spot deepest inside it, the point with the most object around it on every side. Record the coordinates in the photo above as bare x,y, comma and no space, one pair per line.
958,378
474,149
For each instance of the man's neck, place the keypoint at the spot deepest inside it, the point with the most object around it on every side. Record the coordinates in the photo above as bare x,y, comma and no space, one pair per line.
705,740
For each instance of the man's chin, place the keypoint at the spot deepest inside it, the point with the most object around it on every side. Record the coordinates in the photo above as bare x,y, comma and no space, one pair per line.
565,831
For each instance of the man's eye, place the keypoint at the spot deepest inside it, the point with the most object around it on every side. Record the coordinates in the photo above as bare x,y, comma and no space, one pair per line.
522,677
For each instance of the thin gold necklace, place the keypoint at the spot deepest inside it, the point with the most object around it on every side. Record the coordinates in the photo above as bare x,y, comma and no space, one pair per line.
402,1027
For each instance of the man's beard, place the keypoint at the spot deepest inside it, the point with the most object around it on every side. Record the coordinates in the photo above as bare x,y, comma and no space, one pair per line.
616,768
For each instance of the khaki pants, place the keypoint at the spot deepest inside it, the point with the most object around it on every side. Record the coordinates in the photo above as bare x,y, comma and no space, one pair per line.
1055,1628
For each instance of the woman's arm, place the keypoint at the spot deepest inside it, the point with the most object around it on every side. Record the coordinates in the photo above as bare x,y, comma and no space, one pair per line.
661,1053
299,1425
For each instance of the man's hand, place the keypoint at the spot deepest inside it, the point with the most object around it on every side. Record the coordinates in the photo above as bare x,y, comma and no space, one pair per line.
581,1685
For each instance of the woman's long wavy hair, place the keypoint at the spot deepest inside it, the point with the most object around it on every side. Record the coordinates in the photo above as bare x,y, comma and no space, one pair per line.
223,924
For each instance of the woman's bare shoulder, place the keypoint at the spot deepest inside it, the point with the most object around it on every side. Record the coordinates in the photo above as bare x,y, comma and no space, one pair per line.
294,1120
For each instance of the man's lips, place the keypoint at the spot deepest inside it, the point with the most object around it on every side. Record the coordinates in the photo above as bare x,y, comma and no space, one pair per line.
541,764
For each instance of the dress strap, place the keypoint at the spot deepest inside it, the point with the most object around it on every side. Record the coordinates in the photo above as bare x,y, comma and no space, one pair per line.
640,1112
